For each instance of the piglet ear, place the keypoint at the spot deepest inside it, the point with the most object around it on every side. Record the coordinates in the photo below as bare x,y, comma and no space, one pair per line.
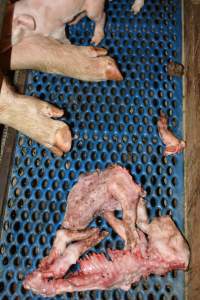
25,21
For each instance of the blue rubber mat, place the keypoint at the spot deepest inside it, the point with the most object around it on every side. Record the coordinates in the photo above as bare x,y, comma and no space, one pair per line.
112,123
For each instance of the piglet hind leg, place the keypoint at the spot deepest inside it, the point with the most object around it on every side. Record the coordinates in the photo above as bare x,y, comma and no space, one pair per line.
95,11
33,118
71,254
120,227
116,224
40,281
120,193
62,239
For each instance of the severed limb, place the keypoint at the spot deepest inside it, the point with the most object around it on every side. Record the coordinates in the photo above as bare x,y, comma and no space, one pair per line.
172,143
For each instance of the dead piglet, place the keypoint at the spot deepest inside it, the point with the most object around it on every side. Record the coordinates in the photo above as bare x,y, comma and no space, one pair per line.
101,193
48,55
161,249
49,17
56,266
33,118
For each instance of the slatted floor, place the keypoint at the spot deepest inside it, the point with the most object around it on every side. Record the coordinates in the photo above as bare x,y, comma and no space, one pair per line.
112,123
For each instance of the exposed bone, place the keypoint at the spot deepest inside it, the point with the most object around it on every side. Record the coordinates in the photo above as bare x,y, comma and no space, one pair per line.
165,250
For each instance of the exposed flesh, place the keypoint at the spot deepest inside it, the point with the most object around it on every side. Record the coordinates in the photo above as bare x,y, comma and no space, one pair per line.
157,247
173,144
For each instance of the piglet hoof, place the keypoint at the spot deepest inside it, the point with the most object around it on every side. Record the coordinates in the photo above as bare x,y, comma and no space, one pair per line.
56,134
93,64
62,140
112,72
97,38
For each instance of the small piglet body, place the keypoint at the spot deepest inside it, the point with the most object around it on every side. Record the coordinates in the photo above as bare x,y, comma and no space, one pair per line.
48,18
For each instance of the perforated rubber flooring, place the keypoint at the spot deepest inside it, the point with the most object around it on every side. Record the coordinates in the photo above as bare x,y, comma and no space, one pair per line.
112,123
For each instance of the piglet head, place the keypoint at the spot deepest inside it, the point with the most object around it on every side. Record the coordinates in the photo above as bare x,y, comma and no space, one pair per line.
167,243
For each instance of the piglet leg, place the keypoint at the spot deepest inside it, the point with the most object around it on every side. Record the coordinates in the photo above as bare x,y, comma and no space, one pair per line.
48,55
99,29
129,213
116,224
142,221
95,11
62,239
119,225
70,255
33,118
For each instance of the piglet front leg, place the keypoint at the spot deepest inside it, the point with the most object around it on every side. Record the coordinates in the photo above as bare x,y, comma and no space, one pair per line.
33,118
48,55
62,239
95,11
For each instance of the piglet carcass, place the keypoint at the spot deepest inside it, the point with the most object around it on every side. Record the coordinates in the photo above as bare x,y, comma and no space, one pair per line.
158,248
173,144
99,193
